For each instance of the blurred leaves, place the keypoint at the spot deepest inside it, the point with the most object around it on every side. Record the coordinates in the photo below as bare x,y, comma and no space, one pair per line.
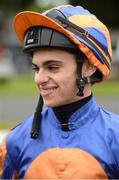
12,6
106,10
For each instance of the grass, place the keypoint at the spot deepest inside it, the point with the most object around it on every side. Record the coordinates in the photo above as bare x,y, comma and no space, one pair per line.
22,85
109,88
7,126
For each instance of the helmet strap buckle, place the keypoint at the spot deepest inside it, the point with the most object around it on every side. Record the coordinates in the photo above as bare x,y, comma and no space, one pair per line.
80,85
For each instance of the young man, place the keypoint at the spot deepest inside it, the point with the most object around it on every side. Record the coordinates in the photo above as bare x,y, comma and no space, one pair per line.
69,136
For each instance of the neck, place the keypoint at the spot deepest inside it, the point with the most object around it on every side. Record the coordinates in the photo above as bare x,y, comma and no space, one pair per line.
64,112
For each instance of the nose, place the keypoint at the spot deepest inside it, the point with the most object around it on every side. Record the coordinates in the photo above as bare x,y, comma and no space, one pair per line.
41,77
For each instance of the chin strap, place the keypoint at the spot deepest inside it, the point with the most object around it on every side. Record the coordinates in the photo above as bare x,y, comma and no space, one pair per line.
80,81
37,119
80,85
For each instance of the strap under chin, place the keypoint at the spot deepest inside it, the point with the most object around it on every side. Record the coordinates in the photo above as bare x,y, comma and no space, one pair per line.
37,119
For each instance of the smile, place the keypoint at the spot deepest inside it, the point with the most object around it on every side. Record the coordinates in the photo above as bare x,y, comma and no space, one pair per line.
48,91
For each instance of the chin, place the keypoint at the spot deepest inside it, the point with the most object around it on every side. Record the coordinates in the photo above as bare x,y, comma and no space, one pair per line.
52,104
49,104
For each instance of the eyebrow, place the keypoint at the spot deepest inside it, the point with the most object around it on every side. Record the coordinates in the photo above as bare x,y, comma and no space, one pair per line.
46,63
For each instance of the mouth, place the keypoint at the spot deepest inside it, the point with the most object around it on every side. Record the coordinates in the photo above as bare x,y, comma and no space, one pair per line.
48,91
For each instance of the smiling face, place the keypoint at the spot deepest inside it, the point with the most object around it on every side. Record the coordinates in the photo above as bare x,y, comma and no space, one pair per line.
55,76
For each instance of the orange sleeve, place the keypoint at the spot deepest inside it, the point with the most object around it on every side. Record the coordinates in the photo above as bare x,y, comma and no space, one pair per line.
2,155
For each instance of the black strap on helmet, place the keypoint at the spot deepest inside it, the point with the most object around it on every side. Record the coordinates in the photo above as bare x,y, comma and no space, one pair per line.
37,119
60,18
80,81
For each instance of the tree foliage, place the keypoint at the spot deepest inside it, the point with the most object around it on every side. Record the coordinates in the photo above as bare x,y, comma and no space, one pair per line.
106,10
11,6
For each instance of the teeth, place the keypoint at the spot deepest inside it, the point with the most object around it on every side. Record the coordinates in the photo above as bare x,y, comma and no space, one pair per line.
47,91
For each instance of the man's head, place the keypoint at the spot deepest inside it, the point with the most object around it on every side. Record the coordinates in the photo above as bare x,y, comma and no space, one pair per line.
72,28
56,74
80,26
55,33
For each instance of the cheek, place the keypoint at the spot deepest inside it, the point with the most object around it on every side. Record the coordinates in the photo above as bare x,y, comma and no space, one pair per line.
69,83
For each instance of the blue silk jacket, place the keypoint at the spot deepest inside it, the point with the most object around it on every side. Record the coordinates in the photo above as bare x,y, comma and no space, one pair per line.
90,149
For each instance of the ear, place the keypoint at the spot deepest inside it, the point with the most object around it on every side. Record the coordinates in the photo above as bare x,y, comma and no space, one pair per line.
88,69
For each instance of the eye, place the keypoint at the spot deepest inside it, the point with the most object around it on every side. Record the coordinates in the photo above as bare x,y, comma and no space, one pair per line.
53,68
35,68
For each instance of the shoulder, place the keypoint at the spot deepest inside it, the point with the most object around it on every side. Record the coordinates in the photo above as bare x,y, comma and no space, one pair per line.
110,122
18,133
112,132
110,116
22,130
